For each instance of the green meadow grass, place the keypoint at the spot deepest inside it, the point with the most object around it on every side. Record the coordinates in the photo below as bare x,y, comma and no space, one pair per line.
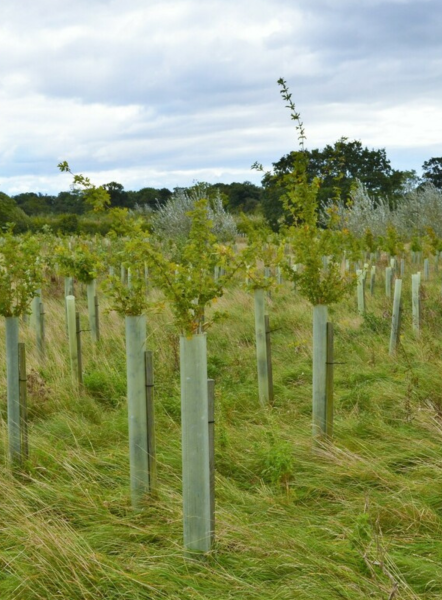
357,518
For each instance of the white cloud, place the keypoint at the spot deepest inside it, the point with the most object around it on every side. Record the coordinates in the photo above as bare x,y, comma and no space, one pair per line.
153,92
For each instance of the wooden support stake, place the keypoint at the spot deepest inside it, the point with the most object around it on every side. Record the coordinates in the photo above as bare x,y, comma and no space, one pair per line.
92,306
372,279
78,343
23,400
269,358
319,370
211,416
150,412
40,329
329,381
97,317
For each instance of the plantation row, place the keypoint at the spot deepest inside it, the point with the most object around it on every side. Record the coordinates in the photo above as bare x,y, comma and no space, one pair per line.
190,277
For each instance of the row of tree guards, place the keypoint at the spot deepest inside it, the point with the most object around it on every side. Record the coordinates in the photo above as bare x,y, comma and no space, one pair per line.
197,392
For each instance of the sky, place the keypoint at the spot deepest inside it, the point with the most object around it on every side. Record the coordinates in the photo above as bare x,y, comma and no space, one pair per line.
166,93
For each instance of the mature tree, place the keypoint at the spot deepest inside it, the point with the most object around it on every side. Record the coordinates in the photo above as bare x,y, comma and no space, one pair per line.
338,167
432,171
34,204
150,197
11,213
240,197
118,196
69,202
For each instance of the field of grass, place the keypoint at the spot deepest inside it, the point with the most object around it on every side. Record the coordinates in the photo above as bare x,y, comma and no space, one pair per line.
357,518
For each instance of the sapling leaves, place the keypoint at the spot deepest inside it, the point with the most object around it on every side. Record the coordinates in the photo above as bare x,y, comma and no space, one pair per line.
320,283
95,196
21,273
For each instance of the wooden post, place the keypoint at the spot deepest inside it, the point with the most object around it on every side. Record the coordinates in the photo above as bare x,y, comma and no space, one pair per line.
211,417
269,358
79,353
372,279
23,400
396,318
150,414
97,317
13,390
415,302
261,348
195,443
136,403
329,381
40,327
92,305
319,370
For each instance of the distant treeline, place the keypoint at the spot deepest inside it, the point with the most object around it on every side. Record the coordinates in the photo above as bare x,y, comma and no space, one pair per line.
337,167
237,197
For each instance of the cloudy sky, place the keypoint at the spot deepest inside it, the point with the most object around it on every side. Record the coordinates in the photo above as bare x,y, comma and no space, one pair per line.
165,93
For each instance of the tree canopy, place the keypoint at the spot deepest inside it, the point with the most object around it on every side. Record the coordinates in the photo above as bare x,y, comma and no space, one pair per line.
432,171
11,213
338,166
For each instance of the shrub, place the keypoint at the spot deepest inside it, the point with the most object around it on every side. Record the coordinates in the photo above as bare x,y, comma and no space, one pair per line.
173,220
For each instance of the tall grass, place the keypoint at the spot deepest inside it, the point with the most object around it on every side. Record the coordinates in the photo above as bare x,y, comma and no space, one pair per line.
356,519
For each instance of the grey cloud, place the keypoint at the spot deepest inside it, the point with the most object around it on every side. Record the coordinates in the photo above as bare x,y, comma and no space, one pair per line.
202,78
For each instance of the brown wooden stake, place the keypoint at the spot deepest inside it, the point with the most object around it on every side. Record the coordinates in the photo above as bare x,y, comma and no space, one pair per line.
97,317
150,412
211,414
23,399
41,336
80,361
329,381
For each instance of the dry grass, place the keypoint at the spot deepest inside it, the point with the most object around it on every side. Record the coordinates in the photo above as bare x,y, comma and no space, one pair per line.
356,519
